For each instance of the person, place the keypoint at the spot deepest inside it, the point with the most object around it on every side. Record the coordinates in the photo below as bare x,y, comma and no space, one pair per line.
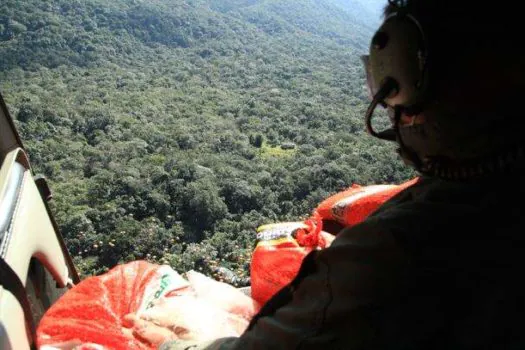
438,266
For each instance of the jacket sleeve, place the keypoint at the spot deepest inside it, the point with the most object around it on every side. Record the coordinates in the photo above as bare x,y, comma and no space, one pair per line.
334,301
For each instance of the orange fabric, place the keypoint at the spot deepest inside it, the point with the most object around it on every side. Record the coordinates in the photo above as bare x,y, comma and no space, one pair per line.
282,247
92,314
93,311
272,268
279,253
310,236
355,204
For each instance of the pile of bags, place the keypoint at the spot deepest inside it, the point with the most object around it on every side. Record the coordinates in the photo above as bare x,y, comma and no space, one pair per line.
282,247
94,313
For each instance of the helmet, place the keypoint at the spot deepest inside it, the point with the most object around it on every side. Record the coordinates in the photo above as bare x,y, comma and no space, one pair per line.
437,127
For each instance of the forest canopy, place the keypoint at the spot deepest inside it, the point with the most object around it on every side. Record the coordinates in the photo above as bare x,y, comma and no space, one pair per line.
169,130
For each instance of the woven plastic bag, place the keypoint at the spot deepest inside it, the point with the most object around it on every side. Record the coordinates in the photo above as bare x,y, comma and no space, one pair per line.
356,203
281,247
92,314
279,252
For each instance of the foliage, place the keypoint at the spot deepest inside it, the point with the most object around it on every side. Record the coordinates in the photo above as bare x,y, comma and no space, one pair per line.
166,127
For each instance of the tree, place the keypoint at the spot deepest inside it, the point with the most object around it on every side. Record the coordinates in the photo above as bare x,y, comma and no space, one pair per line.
256,140
161,120
17,28
203,206
241,197
29,111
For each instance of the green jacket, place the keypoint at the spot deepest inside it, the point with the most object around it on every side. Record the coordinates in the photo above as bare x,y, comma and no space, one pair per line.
439,266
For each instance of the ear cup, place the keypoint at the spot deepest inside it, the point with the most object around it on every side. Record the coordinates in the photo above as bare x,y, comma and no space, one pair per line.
399,51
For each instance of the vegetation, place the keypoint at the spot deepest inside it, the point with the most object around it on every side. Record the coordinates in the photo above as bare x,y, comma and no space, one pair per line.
170,130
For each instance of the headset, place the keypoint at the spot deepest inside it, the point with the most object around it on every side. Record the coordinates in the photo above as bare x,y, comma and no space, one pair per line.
397,69
399,77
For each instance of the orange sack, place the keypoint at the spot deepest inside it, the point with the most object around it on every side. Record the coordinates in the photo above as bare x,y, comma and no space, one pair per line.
281,247
356,203
279,252
92,313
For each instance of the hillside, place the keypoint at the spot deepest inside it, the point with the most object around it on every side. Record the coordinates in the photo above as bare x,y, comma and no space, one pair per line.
160,123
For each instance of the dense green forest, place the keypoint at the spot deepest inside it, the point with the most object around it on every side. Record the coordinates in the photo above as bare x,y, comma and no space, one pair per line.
169,130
